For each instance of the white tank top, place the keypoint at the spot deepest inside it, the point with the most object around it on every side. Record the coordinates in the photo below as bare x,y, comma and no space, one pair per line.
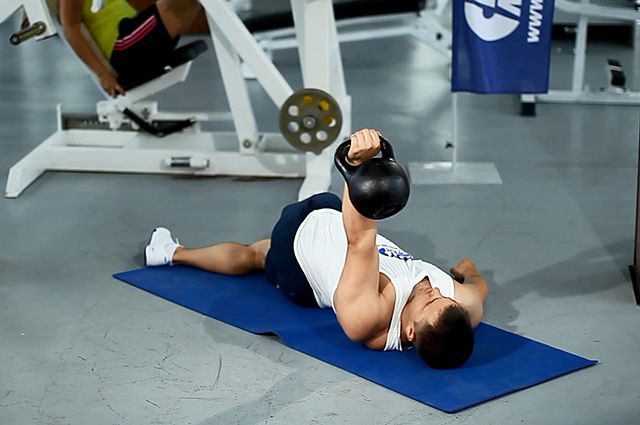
320,246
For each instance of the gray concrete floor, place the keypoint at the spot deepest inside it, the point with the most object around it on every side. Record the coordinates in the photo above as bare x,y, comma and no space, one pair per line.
555,239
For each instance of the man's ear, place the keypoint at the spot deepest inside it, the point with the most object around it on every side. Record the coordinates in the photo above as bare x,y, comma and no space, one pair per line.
410,331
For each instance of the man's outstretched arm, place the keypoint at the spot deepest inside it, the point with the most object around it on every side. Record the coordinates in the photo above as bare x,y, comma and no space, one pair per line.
357,300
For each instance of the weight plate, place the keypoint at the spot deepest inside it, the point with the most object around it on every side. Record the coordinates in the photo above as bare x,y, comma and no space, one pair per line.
310,120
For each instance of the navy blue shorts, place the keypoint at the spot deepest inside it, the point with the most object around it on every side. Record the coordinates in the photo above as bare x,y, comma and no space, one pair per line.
281,267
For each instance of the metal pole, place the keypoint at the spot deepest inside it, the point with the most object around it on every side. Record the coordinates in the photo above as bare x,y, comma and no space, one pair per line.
580,53
633,269
454,130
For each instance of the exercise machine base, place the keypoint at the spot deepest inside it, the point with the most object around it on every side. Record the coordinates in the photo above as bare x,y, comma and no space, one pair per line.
446,172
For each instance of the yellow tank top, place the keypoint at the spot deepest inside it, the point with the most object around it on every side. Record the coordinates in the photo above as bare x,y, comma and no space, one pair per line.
103,25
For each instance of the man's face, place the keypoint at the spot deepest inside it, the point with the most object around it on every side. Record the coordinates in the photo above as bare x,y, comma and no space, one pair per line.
428,303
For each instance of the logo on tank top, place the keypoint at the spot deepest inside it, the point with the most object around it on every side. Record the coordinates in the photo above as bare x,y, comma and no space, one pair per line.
394,252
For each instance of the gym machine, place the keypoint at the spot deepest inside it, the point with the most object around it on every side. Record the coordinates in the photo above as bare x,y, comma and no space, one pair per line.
127,134
359,20
617,92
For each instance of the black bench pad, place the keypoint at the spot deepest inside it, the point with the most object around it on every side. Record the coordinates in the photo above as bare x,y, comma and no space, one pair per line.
179,56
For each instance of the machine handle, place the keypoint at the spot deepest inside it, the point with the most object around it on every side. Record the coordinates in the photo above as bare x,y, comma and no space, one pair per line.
25,34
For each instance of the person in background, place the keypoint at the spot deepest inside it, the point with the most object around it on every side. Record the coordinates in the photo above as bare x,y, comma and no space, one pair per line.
129,42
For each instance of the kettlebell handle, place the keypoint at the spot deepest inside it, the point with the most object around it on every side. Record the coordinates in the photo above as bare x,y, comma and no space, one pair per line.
341,156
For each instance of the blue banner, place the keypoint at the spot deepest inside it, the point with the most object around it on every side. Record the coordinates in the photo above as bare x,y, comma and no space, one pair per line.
501,46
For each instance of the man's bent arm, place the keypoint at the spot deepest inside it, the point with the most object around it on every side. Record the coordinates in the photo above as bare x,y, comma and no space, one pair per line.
474,290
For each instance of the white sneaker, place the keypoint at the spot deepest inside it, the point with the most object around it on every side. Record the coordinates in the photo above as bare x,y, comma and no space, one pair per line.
159,251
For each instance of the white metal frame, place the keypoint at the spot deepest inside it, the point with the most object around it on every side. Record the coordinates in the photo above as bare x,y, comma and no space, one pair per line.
454,171
247,152
579,93
425,26
36,10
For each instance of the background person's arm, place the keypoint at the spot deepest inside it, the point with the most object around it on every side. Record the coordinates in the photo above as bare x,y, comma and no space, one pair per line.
472,289
71,19
357,301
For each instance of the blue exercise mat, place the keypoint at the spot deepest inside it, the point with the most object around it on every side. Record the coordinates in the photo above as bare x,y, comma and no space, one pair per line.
502,362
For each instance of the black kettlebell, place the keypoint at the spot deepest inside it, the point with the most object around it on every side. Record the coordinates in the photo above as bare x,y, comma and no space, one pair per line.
379,187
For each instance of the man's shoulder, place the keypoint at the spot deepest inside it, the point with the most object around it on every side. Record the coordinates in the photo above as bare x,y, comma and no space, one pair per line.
365,319
378,342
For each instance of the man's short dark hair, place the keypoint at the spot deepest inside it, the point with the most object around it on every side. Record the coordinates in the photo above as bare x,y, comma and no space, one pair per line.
448,343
